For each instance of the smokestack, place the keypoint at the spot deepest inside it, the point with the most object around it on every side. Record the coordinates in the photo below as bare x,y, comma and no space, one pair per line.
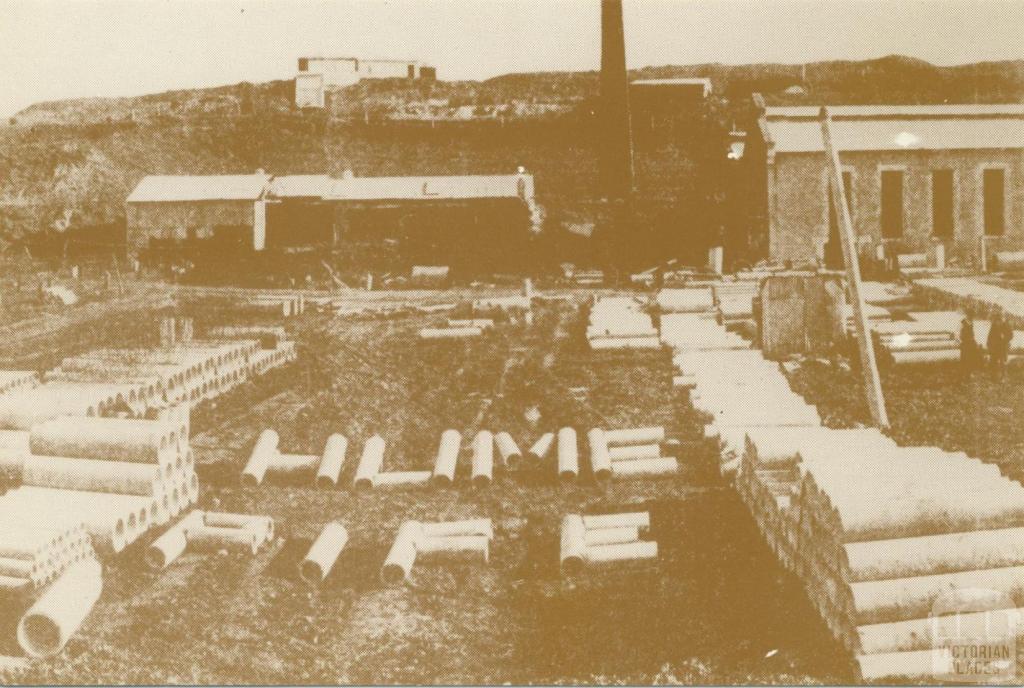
614,130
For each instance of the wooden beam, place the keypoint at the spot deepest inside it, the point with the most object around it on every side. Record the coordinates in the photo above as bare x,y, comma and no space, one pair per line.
872,382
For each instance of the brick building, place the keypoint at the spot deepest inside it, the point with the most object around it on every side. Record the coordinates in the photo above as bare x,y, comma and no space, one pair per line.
915,176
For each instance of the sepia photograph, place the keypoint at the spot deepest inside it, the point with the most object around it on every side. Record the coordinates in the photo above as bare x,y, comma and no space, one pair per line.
511,342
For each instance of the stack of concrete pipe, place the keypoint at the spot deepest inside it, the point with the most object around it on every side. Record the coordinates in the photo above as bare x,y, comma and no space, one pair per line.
209,531
266,458
628,452
696,332
686,300
934,336
34,553
882,536
11,380
598,539
618,322
734,301
979,297
418,541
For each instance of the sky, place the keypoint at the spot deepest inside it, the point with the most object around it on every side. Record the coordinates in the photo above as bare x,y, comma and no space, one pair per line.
53,49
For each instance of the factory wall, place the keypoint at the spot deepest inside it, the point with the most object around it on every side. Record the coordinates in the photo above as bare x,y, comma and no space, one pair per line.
180,221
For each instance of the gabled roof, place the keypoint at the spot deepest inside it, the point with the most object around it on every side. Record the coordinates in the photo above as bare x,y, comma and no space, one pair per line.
896,127
237,187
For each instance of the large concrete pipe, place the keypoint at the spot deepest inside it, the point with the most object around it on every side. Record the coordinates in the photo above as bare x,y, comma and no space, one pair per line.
931,554
573,544
635,435
600,462
568,455
263,525
333,460
108,439
91,475
292,463
171,544
929,632
447,457
541,447
369,463
262,453
206,538
402,555
14,447
612,536
474,544
508,450
483,459
914,665
634,451
640,519
396,478
647,549
45,628
660,466
472,526
325,551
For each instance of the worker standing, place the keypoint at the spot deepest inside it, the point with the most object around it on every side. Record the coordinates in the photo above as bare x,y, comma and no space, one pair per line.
970,356
999,336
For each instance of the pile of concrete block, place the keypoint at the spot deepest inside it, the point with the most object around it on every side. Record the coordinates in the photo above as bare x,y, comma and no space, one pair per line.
883,536
598,539
417,541
619,322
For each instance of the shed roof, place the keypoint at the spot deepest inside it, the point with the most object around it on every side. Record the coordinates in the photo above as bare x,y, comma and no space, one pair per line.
227,187
896,127
428,188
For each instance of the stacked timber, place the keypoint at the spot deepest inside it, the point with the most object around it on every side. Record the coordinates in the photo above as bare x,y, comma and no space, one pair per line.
619,322
883,537
418,541
600,539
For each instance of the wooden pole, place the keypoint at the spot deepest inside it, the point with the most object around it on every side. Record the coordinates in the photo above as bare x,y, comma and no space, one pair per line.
872,382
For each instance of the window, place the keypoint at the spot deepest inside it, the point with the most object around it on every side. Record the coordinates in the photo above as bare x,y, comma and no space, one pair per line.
892,204
942,203
994,188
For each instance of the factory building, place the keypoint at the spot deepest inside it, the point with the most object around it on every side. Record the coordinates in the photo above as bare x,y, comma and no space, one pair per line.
257,212
914,176
319,74
665,104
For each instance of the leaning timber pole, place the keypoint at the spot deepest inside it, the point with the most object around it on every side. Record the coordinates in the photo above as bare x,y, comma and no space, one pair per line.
872,382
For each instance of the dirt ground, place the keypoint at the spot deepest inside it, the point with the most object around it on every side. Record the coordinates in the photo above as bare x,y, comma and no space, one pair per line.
715,608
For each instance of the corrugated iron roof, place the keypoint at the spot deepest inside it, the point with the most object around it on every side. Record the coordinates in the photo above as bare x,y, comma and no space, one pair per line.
301,186
225,187
897,127
427,188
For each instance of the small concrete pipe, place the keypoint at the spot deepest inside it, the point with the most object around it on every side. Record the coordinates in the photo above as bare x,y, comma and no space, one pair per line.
483,459
639,519
541,447
635,435
332,461
475,544
171,544
205,538
473,526
508,450
397,478
661,466
612,536
402,555
928,632
634,451
573,544
264,525
91,475
447,458
370,463
325,551
647,549
262,454
600,462
45,628
568,455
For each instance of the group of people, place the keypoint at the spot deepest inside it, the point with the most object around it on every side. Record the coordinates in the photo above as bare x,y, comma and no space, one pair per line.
997,346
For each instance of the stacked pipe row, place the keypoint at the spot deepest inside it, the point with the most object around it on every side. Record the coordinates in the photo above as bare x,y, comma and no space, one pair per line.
603,538
17,379
619,322
210,531
266,458
934,336
734,301
629,452
35,553
416,540
883,542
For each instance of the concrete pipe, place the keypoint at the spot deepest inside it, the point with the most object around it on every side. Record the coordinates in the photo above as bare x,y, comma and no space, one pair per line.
635,436
473,526
634,451
610,343
206,538
573,545
19,568
370,463
192,488
402,555
612,536
262,454
622,552
640,519
171,544
447,458
325,551
292,463
483,324
931,554
15,586
541,447
600,462
396,478
264,525
508,450
60,610
108,439
450,332
919,664
332,461
660,466
929,632
483,459
91,475
568,455
474,544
